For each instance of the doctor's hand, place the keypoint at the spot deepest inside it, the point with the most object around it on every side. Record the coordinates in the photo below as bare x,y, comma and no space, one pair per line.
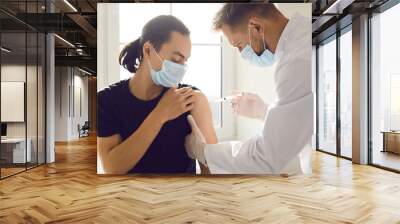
195,142
249,105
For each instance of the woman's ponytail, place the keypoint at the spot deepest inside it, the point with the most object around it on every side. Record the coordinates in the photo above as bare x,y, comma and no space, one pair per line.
131,56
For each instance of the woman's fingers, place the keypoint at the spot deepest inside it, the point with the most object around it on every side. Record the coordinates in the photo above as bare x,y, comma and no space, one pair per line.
183,90
189,107
188,94
189,100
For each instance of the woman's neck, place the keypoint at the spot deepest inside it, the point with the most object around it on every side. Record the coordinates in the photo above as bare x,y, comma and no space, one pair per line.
141,85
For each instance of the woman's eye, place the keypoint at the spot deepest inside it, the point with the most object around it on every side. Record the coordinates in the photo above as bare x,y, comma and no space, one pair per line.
178,62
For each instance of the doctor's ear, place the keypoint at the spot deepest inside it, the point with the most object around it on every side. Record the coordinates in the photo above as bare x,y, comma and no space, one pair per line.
256,25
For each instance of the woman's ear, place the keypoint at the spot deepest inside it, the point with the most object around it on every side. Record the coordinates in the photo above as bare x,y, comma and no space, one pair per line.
146,49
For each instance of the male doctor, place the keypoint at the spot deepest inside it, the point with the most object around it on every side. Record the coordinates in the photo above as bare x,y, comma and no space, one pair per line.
264,36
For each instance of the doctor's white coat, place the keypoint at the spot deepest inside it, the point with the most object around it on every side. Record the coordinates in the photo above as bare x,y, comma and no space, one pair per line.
284,146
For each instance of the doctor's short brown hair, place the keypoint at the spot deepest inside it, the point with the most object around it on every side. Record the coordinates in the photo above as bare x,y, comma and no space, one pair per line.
236,14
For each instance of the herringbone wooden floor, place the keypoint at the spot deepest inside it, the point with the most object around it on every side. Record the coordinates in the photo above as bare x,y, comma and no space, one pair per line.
70,191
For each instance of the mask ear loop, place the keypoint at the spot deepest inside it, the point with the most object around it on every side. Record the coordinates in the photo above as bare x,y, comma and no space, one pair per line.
264,41
162,61
265,48
249,37
158,56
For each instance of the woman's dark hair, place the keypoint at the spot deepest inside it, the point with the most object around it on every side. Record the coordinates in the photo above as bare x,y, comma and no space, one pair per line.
158,31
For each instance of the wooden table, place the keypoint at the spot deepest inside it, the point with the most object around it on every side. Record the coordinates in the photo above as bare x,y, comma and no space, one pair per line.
391,141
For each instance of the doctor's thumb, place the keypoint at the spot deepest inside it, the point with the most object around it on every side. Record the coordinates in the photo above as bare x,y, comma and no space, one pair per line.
195,129
192,122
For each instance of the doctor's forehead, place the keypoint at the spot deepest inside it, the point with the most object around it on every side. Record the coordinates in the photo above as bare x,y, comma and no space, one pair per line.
235,37
232,37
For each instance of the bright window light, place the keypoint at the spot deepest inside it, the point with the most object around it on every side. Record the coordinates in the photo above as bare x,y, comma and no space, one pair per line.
327,97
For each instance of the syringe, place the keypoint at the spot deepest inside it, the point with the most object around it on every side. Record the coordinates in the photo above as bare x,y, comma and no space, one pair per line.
225,98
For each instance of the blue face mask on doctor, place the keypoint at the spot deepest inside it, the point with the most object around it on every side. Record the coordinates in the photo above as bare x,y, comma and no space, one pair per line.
170,74
267,58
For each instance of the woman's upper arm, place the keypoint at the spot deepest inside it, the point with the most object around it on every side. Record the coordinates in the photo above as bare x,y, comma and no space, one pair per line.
203,117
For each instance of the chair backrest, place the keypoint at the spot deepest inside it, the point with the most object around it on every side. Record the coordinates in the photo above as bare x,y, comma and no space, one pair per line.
86,125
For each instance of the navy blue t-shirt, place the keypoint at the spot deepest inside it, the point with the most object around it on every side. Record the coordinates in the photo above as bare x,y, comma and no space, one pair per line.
120,112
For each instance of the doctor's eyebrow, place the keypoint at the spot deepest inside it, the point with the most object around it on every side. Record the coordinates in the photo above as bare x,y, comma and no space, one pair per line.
180,54
236,44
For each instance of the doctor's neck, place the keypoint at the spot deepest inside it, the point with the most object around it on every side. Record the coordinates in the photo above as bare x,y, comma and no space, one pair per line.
274,31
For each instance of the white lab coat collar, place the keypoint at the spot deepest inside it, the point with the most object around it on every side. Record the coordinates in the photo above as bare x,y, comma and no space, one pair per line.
289,32
295,42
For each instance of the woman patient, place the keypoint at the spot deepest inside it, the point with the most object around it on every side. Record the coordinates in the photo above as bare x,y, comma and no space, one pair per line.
142,121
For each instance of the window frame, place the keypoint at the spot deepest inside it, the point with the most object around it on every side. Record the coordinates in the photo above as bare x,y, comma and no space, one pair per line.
380,9
42,38
334,37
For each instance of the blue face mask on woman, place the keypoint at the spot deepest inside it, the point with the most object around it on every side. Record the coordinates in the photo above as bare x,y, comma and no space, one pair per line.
267,58
170,74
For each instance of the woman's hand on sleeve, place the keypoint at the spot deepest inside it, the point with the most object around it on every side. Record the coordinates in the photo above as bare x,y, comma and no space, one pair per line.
174,103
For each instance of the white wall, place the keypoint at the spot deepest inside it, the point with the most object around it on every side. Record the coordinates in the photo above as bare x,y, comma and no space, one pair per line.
12,100
261,80
68,82
107,45
12,73
80,83
33,126
61,103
